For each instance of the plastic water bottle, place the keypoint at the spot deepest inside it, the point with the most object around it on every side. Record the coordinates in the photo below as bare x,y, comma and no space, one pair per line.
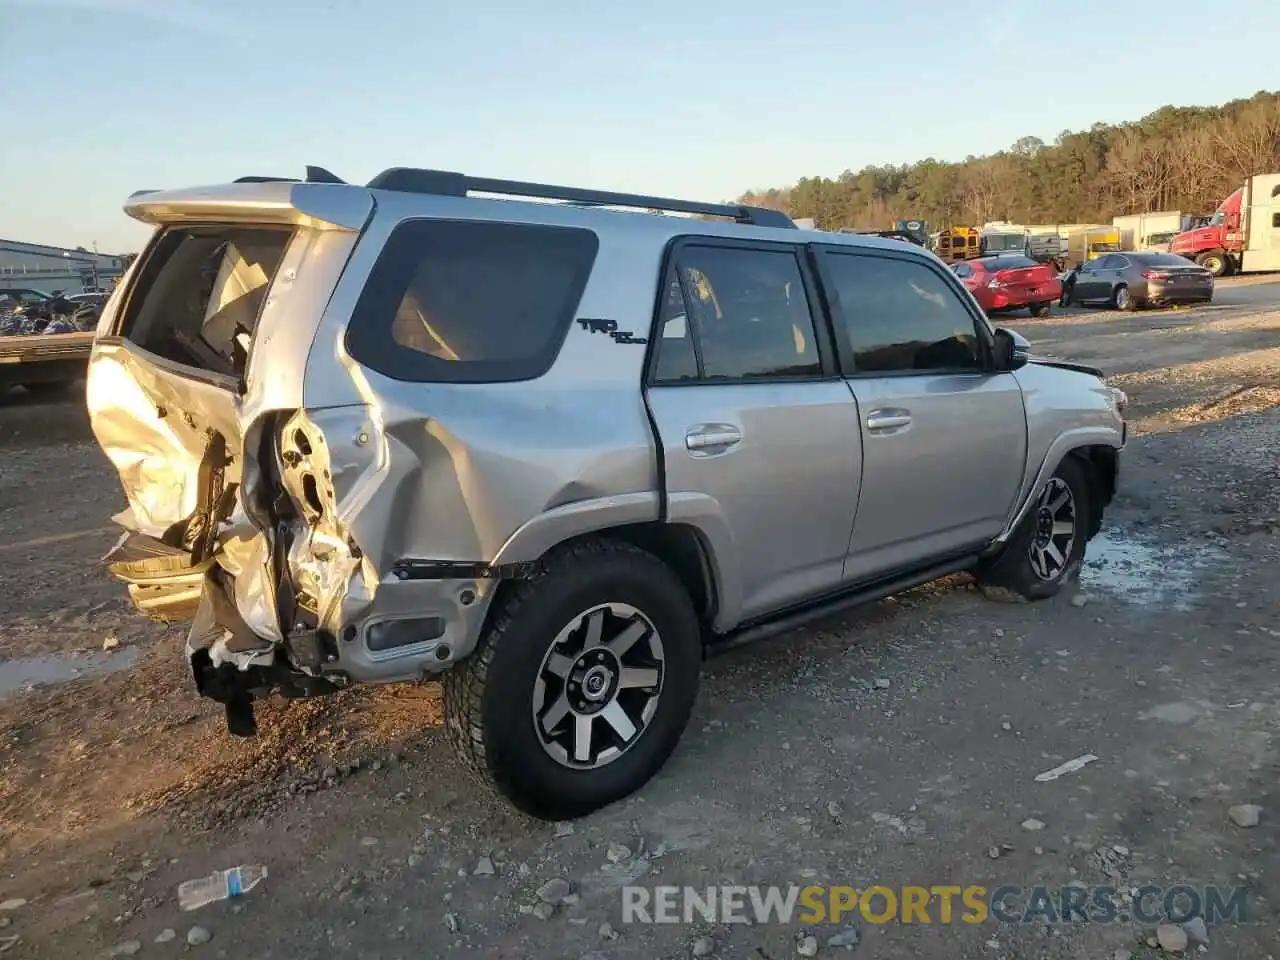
222,885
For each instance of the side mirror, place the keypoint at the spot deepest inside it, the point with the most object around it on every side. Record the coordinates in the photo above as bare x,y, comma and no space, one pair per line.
1012,350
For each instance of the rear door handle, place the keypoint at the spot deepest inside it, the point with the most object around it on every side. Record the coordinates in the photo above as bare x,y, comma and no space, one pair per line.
882,420
711,437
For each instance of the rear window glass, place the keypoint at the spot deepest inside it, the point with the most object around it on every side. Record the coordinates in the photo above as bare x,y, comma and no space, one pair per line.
1008,263
465,302
1162,260
199,293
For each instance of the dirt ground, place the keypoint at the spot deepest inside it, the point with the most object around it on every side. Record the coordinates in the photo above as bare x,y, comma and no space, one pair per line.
895,746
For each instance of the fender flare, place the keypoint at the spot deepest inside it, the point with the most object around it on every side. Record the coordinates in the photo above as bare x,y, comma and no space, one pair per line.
1062,447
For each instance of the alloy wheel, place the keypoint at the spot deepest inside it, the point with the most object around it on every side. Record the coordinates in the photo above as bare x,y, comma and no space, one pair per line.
599,686
1055,531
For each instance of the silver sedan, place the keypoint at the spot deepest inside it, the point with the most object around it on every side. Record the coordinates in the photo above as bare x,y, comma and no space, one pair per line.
1127,281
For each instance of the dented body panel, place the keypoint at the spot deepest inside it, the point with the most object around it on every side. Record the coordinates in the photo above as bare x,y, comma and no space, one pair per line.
322,523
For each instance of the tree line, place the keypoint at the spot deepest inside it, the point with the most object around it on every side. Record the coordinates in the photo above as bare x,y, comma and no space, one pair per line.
1177,158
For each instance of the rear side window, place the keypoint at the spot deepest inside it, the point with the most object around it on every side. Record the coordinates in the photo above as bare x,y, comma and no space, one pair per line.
200,291
456,301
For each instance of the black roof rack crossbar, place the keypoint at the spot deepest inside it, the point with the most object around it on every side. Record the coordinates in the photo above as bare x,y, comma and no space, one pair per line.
446,183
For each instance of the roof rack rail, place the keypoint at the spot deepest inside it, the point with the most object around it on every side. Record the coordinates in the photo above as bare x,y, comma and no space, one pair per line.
447,183
314,175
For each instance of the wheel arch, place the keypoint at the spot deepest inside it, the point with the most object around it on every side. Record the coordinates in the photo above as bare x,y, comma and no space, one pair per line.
1098,451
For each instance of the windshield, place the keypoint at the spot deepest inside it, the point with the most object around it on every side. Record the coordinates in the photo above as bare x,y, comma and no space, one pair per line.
1004,241
1218,219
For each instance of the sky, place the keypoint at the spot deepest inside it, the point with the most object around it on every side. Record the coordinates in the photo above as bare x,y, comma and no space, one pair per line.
702,100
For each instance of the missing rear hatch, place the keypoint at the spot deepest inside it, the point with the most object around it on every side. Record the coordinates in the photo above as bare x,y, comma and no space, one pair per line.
199,293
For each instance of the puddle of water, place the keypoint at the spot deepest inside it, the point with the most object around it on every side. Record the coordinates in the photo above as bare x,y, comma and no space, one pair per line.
16,675
1146,573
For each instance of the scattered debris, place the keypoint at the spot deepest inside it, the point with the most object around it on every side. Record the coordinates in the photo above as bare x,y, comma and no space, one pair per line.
1071,766
563,829
1171,938
555,890
1242,815
883,683
703,947
606,931
1122,953
834,810
452,923
126,949
14,904
618,853
993,853
8,943
484,868
807,946
847,938
166,935
1197,932
1031,823
198,935
110,643
1080,600
544,911
368,842
1006,726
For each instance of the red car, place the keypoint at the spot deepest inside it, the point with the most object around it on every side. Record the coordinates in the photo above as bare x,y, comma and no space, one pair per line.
1010,282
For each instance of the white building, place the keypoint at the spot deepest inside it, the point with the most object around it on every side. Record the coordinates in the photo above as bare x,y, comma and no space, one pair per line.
48,269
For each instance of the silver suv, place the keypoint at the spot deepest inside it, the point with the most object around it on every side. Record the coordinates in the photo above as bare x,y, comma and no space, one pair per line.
555,452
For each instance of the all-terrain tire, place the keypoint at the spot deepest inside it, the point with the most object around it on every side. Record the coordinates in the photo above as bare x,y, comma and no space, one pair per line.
1012,568
489,696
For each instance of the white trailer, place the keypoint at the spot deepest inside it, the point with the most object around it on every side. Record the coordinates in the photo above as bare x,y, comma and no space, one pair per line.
1151,231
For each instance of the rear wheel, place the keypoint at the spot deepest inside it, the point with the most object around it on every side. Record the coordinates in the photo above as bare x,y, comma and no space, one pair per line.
1122,299
1215,262
1046,551
1040,309
582,683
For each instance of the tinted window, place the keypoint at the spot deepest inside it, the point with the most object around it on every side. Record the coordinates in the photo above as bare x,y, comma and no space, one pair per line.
749,312
900,315
1162,260
465,302
962,270
198,296
676,359
1008,263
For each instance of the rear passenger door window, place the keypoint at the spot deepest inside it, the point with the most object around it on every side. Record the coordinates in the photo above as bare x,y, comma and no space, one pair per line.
736,313
899,315
470,302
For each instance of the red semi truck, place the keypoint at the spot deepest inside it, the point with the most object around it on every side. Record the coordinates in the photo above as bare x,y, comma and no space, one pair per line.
1243,236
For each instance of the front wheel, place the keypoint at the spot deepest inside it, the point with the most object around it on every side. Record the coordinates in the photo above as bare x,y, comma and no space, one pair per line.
1046,551
1123,299
582,682
1215,262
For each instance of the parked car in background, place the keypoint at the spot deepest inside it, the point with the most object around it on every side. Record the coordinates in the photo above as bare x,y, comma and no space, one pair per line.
1127,281
1010,282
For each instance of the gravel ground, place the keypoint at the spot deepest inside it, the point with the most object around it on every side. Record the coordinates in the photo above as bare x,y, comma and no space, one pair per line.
896,746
